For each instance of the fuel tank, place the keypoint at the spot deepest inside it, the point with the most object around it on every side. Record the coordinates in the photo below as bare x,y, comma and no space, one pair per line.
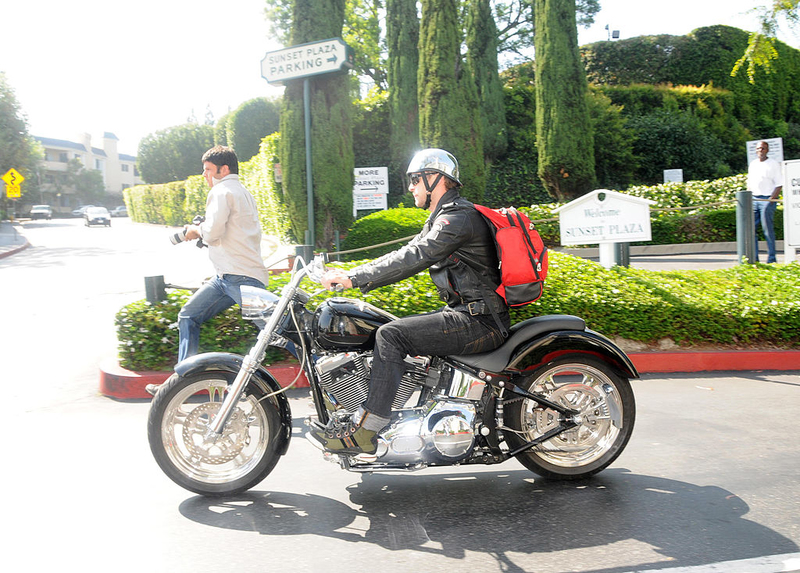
345,324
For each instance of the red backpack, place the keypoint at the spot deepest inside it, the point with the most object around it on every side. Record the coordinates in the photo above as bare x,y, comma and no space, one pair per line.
521,253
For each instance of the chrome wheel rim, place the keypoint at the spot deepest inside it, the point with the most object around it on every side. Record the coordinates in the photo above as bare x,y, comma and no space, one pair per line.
593,394
232,455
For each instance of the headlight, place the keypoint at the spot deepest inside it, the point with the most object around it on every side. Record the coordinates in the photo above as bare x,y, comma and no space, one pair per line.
257,303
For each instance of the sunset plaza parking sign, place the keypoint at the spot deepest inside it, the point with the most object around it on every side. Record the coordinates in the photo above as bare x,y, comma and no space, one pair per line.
305,60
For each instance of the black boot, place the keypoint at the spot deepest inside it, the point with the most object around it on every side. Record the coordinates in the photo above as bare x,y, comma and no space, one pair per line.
346,437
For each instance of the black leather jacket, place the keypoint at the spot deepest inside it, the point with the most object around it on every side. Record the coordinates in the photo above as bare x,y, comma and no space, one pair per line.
454,236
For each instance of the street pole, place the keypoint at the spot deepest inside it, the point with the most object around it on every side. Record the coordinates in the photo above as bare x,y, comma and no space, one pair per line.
309,179
745,228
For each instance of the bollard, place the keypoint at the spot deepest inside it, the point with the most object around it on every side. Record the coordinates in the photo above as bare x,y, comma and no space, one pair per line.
623,253
154,289
745,228
305,251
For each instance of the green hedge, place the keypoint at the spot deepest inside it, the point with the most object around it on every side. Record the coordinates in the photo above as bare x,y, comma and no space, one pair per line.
177,203
747,304
381,227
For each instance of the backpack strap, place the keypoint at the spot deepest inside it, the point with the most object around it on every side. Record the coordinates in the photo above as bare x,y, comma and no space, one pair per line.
484,291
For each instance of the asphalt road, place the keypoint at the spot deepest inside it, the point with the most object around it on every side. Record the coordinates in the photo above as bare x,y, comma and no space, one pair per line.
707,483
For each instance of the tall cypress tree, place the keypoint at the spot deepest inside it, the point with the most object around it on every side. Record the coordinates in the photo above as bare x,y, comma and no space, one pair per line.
402,39
563,129
482,63
331,131
449,111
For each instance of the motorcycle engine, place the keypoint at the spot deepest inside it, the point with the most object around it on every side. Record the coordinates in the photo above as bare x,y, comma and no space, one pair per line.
441,431
345,378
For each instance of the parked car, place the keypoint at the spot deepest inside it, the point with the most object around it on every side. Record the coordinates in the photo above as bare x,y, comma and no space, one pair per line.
81,211
41,212
97,216
121,211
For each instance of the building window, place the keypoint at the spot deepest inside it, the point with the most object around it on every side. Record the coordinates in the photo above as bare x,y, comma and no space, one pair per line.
62,157
98,164
124,168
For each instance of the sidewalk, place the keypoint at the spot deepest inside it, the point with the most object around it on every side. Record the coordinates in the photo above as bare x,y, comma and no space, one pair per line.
11,238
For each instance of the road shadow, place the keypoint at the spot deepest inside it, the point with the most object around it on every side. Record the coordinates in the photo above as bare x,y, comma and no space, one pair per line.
507,513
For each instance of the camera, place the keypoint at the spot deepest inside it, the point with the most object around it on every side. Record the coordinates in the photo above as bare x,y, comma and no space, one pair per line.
180,236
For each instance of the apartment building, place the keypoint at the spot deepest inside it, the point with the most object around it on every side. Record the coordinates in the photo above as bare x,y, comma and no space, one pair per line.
118,169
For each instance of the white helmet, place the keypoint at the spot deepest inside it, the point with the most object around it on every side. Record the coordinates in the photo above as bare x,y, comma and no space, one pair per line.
434,160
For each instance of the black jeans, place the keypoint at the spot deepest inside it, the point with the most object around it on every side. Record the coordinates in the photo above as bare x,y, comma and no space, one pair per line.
439,333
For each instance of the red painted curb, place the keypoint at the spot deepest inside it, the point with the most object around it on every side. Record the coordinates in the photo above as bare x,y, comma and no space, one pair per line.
15,250
117,382
655,362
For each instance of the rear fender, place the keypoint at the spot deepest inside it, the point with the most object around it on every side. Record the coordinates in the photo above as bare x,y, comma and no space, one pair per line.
229,362
548,347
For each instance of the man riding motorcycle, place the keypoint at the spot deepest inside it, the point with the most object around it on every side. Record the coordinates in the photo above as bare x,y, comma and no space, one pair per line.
457,246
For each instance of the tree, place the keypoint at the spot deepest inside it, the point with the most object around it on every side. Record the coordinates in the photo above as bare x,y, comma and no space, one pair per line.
514,37
362,30
331,131
88,183
449,111
761,51
173,154
17,148
251,122
515,22
563,129
482,64
402,39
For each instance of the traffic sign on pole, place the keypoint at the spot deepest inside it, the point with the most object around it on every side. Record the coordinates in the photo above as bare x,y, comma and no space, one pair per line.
13,177
305,60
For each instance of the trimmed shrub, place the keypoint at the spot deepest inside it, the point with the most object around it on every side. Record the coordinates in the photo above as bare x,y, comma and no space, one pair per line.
746,304
381,227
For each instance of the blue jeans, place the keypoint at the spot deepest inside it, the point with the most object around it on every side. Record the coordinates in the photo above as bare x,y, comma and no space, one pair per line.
764,213
439,333
210,299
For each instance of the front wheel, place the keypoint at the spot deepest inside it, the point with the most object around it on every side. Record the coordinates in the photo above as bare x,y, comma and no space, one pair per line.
607,413
177,427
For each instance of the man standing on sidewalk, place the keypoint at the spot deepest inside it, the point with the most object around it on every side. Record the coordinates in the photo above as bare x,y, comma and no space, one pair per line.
765,180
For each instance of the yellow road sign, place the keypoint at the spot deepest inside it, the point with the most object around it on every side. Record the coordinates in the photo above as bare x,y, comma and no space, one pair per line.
13,178
12,191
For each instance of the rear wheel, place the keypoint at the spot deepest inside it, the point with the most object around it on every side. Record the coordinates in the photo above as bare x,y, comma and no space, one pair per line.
178,424
607,413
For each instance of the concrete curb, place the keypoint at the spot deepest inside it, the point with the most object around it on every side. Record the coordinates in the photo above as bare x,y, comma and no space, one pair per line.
117,382
7,251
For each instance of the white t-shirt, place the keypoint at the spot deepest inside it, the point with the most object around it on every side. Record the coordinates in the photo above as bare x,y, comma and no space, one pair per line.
232,230
764,176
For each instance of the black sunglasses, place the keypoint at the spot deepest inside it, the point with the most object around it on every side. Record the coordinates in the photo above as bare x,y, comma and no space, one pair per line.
415,178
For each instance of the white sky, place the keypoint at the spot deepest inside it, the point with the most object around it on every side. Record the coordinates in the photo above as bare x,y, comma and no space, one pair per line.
134,68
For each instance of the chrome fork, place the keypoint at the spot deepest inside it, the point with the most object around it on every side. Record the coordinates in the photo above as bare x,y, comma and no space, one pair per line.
255,355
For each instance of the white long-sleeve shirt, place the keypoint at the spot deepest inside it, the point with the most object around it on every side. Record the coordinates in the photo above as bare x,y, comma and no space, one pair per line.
232,230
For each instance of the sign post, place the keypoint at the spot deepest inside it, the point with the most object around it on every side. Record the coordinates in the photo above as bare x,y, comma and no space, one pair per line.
304,61
605,218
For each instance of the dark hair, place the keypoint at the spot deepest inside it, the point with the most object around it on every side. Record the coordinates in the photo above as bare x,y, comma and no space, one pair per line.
220,155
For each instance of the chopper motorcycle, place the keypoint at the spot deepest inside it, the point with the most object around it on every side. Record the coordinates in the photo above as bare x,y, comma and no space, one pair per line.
555,395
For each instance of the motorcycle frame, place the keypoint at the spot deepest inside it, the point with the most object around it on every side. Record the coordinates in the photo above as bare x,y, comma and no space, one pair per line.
528,356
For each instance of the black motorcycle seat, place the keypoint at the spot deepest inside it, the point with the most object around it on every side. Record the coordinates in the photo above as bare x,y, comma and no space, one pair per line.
496,360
